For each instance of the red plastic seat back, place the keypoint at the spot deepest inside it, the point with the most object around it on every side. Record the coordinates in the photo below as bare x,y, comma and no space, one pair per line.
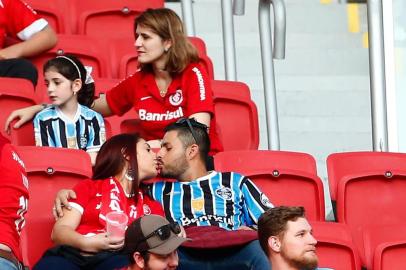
15,94
109,19
48,170
287,178
335,248
54,12
236,115
90,51
381,245
342,164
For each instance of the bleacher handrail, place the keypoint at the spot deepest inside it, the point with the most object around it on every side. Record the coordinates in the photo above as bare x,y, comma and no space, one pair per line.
188,18
268,74
377,76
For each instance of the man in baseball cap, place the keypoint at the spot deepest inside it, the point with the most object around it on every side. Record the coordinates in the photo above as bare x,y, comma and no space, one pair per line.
151,243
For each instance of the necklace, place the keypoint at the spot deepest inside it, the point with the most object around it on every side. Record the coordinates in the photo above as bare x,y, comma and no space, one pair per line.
162,92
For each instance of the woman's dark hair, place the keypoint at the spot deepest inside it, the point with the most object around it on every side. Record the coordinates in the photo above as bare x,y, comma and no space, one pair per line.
166,23
112,156
71,68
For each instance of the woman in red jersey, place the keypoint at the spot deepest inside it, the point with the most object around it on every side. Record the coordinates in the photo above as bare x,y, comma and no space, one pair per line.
82,241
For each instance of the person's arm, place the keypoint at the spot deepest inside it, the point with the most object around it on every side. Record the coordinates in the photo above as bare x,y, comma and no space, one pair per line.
38,43
202,117
23,115
61,200
64,233
26,114
199,94
255,201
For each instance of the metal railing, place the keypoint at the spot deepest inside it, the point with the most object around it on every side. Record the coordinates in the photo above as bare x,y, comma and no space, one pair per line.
188,18
271,108
377,76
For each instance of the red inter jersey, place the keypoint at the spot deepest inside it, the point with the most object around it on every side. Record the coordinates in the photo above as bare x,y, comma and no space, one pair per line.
95,198
189,92
13,197
18,20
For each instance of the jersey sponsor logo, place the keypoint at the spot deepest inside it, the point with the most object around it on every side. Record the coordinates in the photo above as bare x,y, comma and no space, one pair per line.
148,116
225,193
176,98
265,201
147,209
197,204
133,211
17,158
207,218
202,88
25,180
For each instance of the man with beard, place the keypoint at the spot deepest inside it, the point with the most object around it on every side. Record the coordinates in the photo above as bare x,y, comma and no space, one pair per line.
286,238
225,205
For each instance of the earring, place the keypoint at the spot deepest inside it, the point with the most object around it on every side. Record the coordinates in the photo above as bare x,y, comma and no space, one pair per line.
166,50
129,174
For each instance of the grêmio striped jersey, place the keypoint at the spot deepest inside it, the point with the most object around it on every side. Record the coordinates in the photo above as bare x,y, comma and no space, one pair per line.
86,131
225,199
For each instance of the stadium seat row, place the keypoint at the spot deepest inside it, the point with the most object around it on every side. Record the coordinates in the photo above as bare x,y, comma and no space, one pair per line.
288,178
100,18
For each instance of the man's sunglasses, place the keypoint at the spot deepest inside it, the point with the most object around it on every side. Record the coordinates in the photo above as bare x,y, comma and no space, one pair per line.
163,232
190,123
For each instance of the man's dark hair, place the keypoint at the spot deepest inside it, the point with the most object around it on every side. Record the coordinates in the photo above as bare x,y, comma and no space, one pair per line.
195,133
273,222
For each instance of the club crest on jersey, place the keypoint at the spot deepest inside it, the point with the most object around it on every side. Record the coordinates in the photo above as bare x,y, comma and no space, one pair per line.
224,192
176,98
83,142
197,204
265,201
147,210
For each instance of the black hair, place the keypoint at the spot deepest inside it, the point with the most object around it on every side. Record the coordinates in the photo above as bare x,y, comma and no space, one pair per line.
200,135
64,66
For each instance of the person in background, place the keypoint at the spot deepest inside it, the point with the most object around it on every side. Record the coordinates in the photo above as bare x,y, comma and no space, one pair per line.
31,35
69,122
13,205
170,84
287,239
82,241
151,243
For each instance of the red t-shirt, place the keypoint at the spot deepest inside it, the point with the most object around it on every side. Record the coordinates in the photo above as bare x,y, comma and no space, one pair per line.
13,197
18,20
89,202
189,92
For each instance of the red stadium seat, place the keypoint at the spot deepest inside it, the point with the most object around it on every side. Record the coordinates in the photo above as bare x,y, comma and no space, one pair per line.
372,193
48,170
235,112
108,18
89,50
335,248
287,178
16,94
385,247
55,12
342,164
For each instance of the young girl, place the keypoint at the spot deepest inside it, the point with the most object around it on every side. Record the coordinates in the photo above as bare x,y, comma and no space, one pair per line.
69,122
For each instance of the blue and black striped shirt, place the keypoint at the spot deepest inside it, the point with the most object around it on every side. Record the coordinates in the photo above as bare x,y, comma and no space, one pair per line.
86,131
228,200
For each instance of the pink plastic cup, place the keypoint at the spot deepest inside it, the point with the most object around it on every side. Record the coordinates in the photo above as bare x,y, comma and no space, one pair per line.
116,224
